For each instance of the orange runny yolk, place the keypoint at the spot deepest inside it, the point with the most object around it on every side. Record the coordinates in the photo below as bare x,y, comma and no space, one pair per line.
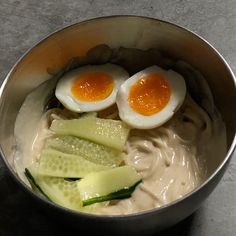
92,86
150,94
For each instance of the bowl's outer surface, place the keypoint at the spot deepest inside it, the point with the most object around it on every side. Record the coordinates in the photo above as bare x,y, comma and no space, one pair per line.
133,32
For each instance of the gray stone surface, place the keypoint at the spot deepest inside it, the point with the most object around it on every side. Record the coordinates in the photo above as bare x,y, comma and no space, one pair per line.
25,22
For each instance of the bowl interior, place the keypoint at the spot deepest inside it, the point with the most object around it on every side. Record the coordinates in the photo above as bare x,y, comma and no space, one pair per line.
127,31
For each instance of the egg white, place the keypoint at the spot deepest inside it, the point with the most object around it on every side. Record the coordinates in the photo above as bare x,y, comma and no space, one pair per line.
65,96
136,120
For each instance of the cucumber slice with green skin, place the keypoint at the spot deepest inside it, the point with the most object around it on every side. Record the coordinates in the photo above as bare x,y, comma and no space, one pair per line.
121,194
58,164
111,133
115,183
33,184
91,151
58,190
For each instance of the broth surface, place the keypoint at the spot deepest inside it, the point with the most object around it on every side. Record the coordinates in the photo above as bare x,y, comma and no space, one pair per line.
173,159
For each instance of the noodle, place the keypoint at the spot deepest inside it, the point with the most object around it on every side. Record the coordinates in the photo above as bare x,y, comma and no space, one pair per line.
170,158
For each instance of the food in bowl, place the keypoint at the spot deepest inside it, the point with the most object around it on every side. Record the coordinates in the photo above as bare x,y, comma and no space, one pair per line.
111,135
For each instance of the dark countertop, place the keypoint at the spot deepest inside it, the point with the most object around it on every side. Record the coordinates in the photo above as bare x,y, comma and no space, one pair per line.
25,22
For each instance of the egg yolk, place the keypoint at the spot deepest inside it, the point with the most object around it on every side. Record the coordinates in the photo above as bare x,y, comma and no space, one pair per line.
150,94
93,86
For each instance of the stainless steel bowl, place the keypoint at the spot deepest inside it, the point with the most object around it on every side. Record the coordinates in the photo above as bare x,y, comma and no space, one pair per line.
132,32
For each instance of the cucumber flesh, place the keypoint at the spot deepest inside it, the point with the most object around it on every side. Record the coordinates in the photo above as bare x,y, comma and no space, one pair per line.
58,190
115,183
58,164
91,151
111,133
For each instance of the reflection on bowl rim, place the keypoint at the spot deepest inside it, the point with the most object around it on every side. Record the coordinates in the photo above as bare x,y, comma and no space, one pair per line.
54,205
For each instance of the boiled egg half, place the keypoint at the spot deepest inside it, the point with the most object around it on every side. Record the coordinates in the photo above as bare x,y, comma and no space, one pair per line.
151,97
90,88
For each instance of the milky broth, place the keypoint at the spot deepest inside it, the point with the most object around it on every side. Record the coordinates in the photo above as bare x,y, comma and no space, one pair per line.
172,159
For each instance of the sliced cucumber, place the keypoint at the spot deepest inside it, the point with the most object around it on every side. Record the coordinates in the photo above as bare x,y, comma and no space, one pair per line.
29,175
102,186
58,190
121,194
111,133
91,151
116,183
59,164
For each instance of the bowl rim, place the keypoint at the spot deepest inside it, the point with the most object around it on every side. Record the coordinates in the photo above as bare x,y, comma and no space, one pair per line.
132,215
